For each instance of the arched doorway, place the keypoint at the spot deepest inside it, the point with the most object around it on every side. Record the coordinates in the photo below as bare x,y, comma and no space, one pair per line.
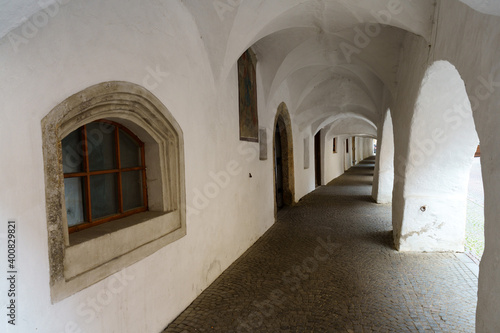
317,159
284,183
278,167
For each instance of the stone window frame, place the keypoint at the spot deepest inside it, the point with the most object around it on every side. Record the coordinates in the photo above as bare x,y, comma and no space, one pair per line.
81,259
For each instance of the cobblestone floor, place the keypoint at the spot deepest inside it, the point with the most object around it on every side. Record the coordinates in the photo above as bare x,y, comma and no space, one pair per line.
328,265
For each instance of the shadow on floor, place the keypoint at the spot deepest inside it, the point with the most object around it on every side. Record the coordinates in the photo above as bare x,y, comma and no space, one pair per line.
329,265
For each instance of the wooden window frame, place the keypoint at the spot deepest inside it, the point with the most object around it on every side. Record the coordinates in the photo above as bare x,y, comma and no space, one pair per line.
334,145
86,174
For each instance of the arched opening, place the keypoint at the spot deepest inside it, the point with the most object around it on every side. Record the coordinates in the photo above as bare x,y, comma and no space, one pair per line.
317,159
442,143
278,169
284,184
83,258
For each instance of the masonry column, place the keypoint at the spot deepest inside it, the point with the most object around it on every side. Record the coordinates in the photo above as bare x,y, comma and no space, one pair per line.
383,180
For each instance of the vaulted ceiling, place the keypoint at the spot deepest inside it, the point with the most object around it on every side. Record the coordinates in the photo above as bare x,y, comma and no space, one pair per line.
335,59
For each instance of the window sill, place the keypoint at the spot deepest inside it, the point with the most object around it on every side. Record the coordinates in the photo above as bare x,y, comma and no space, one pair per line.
89,234
98,252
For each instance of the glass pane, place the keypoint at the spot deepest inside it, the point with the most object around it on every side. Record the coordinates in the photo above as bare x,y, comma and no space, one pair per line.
72,153
103,195
74,196
101,146
132,190
130,152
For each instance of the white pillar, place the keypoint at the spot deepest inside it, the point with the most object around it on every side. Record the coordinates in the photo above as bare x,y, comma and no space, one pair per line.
383,180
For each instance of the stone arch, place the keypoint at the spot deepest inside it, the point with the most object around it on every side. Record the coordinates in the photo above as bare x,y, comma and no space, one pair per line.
442,142
283,127
84,258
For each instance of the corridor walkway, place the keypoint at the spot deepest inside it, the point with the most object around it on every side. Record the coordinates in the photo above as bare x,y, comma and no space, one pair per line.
328,265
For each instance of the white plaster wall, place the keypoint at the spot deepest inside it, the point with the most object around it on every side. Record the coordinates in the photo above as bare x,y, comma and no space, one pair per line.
363,144
333,165
333,162
442,145
348,153
367,147
473,48
304,178
361,149
383,180
91,42
364,148
189,66
413,63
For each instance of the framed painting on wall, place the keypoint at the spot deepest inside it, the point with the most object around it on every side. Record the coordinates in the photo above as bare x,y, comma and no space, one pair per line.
247,91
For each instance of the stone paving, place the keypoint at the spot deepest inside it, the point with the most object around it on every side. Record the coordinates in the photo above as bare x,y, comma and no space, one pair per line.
328,265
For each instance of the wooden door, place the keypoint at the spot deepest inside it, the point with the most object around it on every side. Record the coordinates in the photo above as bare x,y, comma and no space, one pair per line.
278,162
317,158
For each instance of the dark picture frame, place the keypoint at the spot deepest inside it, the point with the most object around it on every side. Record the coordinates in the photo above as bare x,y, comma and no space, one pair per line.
247,91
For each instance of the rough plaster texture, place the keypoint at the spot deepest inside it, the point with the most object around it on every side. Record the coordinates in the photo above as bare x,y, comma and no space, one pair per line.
185,53
333,162
442,134
473,50
412,65
156,46
383,179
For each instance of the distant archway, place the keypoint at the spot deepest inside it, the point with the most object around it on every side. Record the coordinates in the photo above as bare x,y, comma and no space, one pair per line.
442,143
284,180
317,159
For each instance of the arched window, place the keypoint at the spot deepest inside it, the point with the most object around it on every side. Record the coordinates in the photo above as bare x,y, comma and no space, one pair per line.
113,153
104,174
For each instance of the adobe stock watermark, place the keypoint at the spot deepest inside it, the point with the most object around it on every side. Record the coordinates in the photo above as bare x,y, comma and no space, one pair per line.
224,6
363,37
73,155
92,306
30,28
154,77
292,280
221,179
452,119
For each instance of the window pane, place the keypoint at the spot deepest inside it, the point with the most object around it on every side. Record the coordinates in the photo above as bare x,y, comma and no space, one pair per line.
74,197
103,195
101,146
130,153
132,190
72,146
